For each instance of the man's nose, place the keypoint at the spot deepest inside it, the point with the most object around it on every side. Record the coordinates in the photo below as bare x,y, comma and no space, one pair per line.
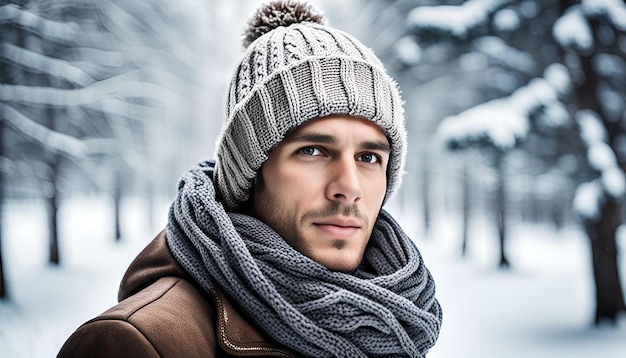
345,182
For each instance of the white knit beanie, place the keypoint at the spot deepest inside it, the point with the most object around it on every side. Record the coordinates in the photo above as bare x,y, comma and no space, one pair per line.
296,69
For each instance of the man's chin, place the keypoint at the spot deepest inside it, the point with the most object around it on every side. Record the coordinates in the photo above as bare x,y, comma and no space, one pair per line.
340,263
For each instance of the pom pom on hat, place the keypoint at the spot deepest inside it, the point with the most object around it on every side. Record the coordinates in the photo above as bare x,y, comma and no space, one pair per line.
279,13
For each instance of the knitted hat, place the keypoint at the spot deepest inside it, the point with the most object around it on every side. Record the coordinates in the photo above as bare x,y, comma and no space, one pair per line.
296,69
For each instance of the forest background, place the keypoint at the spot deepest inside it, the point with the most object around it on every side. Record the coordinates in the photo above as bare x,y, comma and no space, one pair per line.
517,139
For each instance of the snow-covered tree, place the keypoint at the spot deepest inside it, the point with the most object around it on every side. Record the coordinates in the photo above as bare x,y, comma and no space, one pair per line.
63,71
101,95
499,125
582,48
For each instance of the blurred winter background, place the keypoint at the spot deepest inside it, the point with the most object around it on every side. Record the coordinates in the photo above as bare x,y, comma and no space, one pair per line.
514,190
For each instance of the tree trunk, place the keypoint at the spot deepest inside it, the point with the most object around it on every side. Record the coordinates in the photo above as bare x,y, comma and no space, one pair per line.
117,200
52,200
501,208
466,206
51,194
609,296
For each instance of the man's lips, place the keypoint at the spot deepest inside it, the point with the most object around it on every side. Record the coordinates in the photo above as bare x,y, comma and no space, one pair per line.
339,228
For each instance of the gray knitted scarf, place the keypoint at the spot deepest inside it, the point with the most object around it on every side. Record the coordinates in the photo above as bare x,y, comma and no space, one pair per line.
387,307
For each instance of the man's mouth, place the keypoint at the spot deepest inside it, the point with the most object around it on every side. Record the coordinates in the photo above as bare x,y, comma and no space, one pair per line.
339,228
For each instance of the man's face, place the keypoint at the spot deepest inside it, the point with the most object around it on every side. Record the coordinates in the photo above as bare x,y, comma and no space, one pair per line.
322,188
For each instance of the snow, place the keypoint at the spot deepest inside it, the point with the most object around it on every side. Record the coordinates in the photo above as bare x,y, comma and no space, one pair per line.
538,91
555,116
500,52
558,77
41,134
408,51
54,30
34,61
504,122
614,181
600,157
542,307
587,200
496,121
506,20
614,10
591,129
48,303
456,20
115,86
572,30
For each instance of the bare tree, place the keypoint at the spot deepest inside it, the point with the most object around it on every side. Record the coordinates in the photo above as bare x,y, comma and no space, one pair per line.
112,94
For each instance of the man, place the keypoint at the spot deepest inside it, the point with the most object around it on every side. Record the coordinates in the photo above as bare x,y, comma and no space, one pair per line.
281,247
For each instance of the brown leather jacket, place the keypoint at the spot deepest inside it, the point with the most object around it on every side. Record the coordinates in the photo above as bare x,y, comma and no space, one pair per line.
163,313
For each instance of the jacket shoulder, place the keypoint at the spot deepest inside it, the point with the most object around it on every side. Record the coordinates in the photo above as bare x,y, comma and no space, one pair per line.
168,318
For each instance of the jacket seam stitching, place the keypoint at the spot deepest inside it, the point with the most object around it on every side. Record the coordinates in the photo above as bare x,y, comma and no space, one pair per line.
156,298
142,334
237,348
143,306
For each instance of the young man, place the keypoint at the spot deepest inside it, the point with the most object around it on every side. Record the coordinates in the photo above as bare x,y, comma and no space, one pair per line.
281,247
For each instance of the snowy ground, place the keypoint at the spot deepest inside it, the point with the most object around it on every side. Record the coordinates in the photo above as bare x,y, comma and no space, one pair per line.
541,308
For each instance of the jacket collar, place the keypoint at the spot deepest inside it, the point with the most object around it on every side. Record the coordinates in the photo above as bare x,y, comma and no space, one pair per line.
235,334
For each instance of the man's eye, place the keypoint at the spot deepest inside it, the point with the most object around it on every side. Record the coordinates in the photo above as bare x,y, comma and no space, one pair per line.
369,158
310,151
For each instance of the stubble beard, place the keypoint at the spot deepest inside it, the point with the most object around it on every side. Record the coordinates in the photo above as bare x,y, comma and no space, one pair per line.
296,236
291,232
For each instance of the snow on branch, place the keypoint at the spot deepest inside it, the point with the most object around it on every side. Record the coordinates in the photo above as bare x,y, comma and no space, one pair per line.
572,30
504,122
58,31
499,51
7,166
496,122
587,201
36,62
611,182
455,21
69,33
53,140
600,155
84,96
118,108
121,15
408,51
97,57
613,10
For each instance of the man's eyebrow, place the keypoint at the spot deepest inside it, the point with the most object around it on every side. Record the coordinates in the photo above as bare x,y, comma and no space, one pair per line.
379,145
314,137
330,139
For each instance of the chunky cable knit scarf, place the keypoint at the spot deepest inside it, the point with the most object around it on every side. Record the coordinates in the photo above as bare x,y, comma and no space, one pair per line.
387,307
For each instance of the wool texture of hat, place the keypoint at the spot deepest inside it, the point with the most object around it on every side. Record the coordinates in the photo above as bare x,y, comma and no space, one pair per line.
296,69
